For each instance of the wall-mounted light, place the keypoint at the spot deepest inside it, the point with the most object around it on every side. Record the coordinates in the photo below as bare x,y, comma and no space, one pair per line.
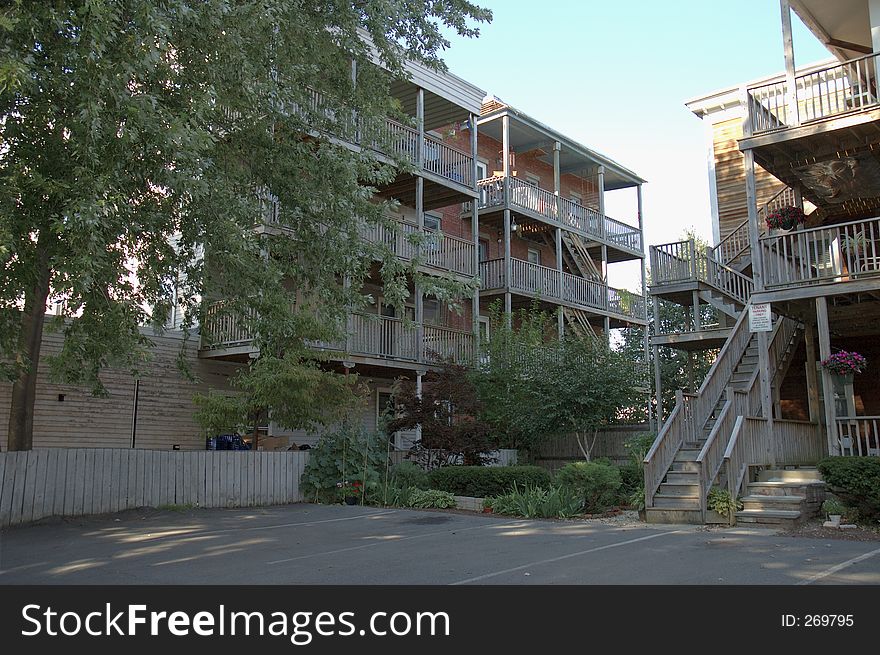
513,225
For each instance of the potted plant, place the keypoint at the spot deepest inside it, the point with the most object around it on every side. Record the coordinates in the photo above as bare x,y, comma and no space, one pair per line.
845,363
351,491
785,218
636,500
833,510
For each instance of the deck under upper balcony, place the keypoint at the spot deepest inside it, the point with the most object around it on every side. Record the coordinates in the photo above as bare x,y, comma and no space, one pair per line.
530,280
823,261
623,242
378,341
821,135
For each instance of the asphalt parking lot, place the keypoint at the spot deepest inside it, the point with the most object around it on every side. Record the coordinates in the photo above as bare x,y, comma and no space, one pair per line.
316,544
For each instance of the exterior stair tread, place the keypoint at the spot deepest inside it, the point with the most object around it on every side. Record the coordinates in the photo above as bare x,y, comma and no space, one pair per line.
676,497
794,500
785,483
770,513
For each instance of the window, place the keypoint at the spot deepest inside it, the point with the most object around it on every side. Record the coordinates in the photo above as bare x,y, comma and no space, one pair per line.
432,222
484,249
534,256
431,311
484,329
482,170
576,198
532,180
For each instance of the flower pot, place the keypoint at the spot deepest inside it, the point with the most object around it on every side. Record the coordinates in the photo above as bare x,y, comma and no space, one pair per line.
351,500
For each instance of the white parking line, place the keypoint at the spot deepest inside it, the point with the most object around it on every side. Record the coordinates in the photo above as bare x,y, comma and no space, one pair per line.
395,540
564,557
839,567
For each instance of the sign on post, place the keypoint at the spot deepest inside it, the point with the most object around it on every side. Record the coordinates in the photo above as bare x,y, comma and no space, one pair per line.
759,318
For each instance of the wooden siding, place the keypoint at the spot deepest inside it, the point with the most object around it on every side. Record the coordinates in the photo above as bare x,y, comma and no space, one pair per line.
730,177
47,482
165,407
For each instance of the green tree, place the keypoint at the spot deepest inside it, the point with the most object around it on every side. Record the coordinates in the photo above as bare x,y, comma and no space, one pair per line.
138,142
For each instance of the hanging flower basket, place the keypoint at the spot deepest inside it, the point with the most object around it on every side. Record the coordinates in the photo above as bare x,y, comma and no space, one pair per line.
785,218
845,363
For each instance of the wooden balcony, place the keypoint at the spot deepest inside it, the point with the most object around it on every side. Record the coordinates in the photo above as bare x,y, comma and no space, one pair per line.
545,206
681,266
830,92
557,286
846,253
378,338
859,435
432,156
821,136
441,252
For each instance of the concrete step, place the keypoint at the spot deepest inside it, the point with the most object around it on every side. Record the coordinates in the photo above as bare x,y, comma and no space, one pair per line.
804,474
768,516
665,515
777,488
684,477
762,502
676,502
691,490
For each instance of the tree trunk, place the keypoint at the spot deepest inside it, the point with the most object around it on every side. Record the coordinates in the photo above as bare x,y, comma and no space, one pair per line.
24,387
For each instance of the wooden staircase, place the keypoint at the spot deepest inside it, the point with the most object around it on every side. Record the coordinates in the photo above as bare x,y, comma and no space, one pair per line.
579,323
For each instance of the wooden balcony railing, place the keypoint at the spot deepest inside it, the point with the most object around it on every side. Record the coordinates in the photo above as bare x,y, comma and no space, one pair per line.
552,284
448,161
682,261
370,335
836,253
832,91
438,250
737,241
859,435
394,138
559,210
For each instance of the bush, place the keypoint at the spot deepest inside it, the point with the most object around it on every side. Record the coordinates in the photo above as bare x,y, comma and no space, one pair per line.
419,498
596,484
534,502
337,461
856,481
483,481
720,501
631,477
408,474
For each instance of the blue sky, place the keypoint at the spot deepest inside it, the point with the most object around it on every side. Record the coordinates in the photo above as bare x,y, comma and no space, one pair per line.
615,76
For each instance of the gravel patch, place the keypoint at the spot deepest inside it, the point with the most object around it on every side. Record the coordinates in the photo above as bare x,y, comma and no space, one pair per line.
813,529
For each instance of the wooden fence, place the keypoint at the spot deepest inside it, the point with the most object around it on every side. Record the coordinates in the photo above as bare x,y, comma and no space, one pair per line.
77,481
556,452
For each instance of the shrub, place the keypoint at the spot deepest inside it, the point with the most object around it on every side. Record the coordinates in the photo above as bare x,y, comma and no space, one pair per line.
596,484
430,498
720,501
535,502
408,474
337,461
856,481
631,477
482,481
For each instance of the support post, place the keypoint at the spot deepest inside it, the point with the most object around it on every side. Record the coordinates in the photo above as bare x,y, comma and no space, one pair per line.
647,346
827,383
417,290
658,387
812,376
754,232
420,121
508,268
792,119
419,395
766,392
475,234
695,298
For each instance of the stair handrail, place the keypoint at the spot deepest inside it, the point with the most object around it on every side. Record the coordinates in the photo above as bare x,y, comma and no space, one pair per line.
737,240
728,280
660,455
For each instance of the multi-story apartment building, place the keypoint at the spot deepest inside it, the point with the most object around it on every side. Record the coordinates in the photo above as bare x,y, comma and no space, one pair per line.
806,138
504,199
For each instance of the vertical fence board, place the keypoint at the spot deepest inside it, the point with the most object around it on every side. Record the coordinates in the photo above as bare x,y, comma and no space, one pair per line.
41,468
98,483
236,479
209,478
139,480
264,465
30,479
6,489
18,488
60,483
131,486
69,481
115,477
79,483
51,474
